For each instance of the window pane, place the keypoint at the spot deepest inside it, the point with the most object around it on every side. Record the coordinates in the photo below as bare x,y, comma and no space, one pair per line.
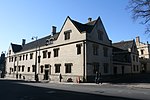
49,54
56,52
68,68
31,56
67,35
15,67
78,48
19,67
28,69
23,68
57,68
42,69
44,54
33,68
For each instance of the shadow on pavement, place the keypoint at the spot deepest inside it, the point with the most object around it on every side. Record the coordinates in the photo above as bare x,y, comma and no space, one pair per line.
12,90
131,78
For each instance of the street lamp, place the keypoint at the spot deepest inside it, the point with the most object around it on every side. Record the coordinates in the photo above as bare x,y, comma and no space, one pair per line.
36,74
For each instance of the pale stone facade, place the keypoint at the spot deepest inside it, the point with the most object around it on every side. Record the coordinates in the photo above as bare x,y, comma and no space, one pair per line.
78,51
144,55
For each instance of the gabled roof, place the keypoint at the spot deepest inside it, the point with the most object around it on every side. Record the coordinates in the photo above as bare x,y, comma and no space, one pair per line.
16,47
39,42
83,27
88,27
124,44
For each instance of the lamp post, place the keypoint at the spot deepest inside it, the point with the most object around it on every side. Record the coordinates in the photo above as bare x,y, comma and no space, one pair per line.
36,74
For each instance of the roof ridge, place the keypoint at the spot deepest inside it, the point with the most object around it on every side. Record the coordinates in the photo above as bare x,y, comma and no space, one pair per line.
16,44
123,41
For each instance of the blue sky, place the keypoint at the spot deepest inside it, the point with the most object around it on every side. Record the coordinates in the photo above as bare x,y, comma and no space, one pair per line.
22,19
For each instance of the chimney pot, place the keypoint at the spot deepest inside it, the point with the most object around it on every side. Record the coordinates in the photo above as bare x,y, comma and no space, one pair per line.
89,19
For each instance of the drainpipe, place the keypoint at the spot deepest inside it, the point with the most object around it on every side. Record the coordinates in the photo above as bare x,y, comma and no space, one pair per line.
84,61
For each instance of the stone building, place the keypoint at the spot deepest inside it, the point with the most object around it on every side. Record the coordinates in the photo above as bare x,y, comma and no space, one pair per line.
76,52
125,57
144,55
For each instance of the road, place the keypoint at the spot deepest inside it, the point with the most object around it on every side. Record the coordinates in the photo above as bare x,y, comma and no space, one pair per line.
20,90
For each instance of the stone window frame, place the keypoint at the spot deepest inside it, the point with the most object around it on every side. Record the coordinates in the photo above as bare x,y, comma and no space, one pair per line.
56,52
78,48
57,68
28,69
44,54
67,34
42,69
31,55
68,68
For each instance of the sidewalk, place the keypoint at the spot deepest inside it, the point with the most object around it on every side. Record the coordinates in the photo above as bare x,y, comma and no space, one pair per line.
73,83
140,85
130,85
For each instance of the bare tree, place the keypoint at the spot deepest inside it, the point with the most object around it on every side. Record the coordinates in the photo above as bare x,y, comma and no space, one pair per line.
141,11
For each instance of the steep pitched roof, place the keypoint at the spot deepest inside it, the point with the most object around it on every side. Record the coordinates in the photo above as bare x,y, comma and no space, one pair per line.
40,42
88,27
16,47
124,44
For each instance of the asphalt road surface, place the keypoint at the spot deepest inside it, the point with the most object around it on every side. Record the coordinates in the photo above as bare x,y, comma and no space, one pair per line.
20,90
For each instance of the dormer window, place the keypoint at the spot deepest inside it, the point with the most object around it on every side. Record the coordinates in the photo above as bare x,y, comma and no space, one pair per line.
49,41
100,35
67,34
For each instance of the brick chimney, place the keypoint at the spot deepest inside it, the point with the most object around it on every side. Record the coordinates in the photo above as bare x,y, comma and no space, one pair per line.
54,29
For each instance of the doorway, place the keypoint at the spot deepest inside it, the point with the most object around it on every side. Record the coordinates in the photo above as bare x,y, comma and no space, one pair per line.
46,76
47,72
